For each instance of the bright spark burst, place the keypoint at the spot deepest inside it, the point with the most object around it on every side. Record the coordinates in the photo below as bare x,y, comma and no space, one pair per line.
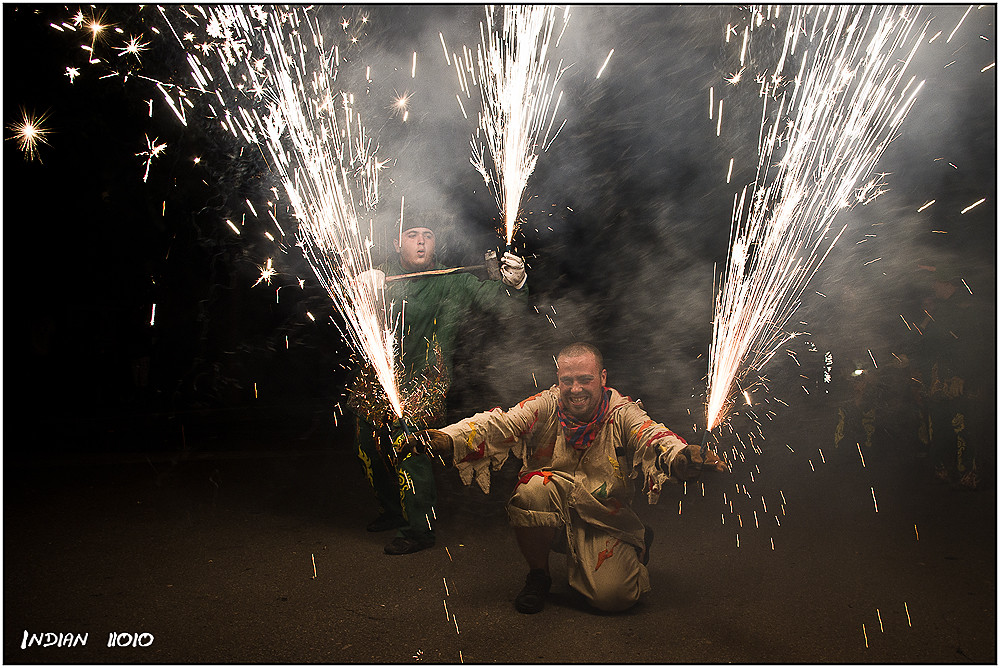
267,272
276,82
72,73
735,78
845,103
517,91
153,150
29,132
94,26
133,48
401,104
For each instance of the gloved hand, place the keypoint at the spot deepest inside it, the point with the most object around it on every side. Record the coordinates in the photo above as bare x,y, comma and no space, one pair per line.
689,463
434,439
371,279
512,271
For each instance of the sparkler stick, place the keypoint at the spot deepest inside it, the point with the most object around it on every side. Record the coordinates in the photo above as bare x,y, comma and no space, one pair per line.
836,114
517,90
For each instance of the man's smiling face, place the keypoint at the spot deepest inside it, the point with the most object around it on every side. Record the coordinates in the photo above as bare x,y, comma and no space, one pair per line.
581,383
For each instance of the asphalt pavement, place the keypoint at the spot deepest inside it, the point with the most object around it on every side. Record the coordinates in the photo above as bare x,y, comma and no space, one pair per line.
245,549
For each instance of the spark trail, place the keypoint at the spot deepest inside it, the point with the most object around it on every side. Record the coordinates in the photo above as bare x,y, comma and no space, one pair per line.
275,84
517,90
824,127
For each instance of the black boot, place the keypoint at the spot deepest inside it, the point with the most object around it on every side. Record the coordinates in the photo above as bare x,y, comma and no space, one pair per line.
531,599
405,545
648,540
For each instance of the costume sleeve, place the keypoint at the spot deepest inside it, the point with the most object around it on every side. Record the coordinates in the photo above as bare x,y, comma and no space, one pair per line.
492,295
484,440
654,448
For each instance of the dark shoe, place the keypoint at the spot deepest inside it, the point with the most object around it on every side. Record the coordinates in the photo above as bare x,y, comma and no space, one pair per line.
385,522
401,545
531,599
648,539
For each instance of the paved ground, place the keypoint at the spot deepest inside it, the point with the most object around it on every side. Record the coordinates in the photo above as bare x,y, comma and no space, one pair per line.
213,556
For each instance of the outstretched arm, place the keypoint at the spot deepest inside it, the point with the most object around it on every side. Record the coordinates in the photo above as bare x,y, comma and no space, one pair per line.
662,455
485,440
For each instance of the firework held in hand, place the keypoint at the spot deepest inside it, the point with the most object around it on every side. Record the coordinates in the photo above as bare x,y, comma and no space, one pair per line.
826,122
275,82
517,91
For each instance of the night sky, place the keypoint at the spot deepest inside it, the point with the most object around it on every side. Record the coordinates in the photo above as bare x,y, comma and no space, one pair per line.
629,212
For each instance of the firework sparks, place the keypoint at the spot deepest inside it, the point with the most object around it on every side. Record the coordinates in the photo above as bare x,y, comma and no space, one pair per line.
94,26
29,132
835,117
959,25
153,150
133,48
401,106
275,80
735,78
973,205
267,272
606,61
517,90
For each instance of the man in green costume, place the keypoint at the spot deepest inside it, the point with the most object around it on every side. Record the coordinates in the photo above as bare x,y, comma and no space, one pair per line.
434,308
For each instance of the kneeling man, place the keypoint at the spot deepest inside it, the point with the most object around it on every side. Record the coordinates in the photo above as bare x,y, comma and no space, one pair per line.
584,448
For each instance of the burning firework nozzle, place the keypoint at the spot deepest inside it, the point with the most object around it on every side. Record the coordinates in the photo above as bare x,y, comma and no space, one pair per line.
402,439
492,266
704,443
408,440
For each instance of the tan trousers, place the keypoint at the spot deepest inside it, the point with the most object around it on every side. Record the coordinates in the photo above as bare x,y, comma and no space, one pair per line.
602,567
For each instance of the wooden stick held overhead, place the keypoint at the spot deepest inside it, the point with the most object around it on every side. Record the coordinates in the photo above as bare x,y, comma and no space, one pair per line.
434,272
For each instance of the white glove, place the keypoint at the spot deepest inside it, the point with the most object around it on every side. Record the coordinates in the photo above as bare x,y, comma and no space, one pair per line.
371,279
512,271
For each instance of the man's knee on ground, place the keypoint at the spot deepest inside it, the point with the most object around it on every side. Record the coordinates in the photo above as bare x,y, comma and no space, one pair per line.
615,597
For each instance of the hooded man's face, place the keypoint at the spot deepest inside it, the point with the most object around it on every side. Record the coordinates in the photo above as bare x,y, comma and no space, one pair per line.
416,249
